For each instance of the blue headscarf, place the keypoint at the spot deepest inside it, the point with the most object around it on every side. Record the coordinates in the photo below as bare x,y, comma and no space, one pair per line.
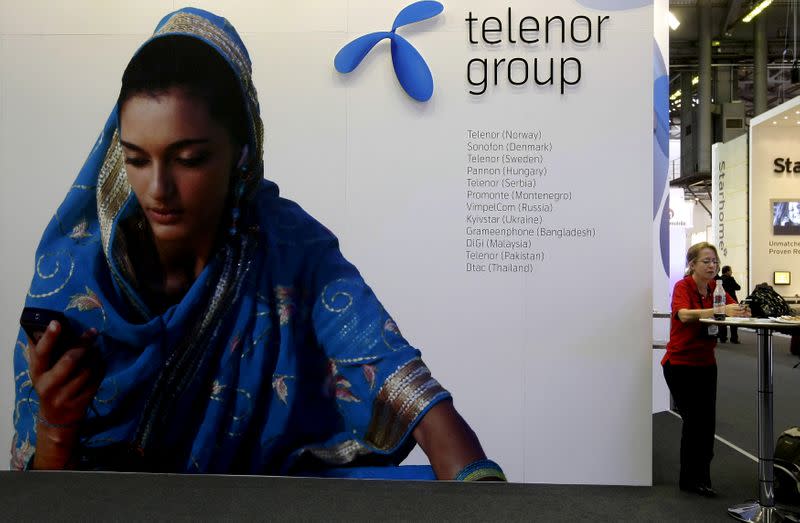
279,358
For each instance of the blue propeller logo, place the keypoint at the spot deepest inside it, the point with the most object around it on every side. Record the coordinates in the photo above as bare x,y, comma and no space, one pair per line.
409,66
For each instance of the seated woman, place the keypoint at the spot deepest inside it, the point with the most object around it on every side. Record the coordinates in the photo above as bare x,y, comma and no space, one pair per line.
232,334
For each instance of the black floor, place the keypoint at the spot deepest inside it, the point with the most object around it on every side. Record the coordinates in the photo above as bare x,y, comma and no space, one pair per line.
734,474
63,496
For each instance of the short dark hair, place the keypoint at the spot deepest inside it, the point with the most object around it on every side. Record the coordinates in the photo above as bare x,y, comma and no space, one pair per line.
726,268
189,63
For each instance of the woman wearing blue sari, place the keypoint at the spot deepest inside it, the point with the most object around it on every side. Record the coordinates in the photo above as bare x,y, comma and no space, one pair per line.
231,334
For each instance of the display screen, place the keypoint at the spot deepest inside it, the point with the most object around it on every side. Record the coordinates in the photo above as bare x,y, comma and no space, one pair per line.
782,278
786,217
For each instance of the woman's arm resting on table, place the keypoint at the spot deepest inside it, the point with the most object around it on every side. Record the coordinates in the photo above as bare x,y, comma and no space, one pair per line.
448,441
691,315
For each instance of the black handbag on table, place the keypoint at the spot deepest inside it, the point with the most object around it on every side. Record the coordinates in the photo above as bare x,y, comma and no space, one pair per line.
765,302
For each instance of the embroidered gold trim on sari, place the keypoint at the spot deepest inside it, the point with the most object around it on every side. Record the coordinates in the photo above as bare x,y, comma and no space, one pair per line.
403,396
341,454
113,191
194,24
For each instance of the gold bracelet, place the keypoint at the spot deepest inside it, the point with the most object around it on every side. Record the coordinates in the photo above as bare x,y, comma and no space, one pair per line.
51,425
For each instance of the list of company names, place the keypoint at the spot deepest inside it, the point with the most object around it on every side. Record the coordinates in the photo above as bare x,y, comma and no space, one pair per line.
514,202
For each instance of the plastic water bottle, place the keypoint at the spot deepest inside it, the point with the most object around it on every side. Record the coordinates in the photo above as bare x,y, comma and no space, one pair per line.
719,302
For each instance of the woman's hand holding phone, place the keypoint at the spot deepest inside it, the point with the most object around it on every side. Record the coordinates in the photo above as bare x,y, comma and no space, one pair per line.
737,310
65,389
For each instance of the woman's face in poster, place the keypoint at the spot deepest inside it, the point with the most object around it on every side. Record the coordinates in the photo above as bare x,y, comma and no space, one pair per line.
793,213
179,162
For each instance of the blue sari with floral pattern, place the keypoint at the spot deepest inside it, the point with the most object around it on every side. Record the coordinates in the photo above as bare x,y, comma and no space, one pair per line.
278,360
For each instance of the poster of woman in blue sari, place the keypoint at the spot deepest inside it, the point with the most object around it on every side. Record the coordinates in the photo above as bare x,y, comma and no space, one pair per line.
221,329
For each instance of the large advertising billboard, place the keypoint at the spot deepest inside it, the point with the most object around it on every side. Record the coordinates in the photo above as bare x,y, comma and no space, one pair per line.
487,167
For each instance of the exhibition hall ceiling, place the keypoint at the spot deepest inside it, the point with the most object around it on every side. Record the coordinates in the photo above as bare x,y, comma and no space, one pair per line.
733,46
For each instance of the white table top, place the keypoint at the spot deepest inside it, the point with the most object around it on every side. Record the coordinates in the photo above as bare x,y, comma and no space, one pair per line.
752,322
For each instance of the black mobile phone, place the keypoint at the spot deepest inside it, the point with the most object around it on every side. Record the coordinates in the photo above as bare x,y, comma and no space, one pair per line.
35,321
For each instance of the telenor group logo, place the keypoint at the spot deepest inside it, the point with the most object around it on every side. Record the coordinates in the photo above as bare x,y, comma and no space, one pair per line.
412,72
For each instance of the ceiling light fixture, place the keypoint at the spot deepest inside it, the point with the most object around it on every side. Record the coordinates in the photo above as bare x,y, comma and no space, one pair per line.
673,22
756,10
695,80
677,94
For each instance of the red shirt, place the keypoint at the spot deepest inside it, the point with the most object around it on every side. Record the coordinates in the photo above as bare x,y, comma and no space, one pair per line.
689,343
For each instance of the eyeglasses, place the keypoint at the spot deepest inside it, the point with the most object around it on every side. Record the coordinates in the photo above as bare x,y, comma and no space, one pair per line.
709,261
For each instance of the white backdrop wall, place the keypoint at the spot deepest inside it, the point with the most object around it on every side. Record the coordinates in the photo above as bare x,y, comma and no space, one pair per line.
700,231
661,200
729,225
681,222
773,137
681,218
557,388
661,154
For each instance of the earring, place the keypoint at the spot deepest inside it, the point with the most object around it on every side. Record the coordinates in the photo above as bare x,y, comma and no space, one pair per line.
242,163
238,191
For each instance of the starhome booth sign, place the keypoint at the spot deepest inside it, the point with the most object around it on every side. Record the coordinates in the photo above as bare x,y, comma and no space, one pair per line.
721,210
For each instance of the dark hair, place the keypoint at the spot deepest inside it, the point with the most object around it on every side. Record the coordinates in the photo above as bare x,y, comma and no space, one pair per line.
726,268
188,63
